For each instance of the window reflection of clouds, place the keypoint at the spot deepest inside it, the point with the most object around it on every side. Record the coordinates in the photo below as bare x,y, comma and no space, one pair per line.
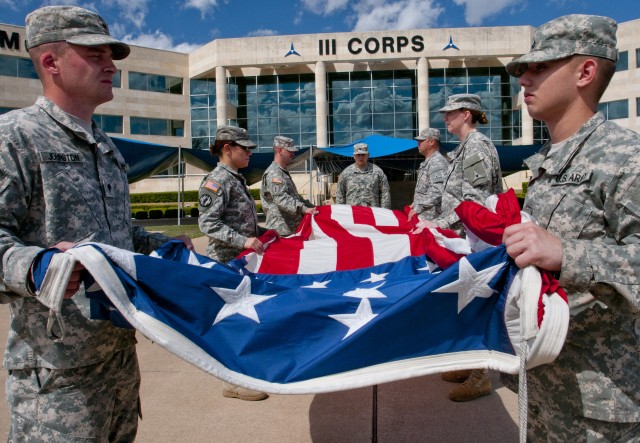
495,88
365,103
281,105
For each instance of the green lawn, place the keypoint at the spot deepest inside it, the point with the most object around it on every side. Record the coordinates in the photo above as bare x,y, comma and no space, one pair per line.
192,231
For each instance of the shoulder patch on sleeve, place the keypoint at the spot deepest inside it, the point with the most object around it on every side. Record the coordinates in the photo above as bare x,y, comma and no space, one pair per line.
212,186
276,180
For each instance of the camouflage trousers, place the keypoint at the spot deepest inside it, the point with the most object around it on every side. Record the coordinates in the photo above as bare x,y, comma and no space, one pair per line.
97,403
558,427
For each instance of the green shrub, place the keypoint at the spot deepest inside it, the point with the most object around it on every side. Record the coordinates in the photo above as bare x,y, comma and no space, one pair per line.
173,213
141,215
163,197
156,214
194,212
255,193
258,207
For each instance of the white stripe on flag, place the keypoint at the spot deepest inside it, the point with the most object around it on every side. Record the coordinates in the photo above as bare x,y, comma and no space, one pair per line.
343,214
384,217
319,255
386,247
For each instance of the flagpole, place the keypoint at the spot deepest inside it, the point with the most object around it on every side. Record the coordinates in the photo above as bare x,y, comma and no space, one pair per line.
180,182
374,415
311,199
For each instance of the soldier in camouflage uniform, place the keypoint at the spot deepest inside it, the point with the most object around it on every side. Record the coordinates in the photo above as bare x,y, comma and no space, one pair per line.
474,174
431,174
228,214
282,205
363,183
63,182
585,196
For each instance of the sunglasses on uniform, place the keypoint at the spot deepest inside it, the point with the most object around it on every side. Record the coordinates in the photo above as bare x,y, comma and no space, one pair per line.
244,148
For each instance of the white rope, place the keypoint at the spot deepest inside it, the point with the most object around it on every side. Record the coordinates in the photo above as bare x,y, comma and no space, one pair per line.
523,396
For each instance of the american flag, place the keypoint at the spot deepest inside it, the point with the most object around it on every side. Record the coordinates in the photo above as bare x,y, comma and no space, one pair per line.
352,299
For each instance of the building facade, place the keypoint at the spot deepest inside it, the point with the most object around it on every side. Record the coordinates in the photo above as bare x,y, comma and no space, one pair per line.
322,89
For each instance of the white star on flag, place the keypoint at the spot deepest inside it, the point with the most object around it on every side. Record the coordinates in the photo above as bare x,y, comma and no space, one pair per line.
355,321
375,278
470,283
366,293
318,285
240,301
431,267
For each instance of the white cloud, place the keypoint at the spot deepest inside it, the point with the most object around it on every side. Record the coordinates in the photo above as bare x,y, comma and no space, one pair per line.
204,6
477,10
83,4
262,33
324,7
377,15
159,40
133,11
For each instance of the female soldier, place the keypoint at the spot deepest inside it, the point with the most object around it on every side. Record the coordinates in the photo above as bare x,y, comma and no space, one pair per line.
227,210
474,174
228,213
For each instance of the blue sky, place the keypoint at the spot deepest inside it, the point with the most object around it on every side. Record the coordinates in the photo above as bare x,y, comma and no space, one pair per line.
185,25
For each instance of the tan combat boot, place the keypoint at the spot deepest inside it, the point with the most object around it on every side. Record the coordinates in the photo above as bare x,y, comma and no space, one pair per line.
456,376
233,391
476,385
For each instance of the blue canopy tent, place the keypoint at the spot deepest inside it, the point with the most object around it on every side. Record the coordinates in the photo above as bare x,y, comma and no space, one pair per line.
379,146
511,157
147,159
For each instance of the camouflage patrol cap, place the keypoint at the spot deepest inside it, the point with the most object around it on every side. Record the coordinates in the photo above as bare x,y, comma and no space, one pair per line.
73,25
234,134
429,133
569,35
360,148
284,142
460,101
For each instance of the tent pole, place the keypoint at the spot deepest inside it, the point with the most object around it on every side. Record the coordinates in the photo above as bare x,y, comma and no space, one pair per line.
311,198
180,183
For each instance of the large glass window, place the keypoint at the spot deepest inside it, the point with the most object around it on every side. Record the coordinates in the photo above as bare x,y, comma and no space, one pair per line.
203,113
615,109
365,103
155,83
109,123
623,61
540,132
17,67
277,105
117,79
495,88
157,126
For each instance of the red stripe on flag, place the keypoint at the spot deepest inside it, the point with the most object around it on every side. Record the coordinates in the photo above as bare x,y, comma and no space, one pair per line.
283,257
352,252
363,215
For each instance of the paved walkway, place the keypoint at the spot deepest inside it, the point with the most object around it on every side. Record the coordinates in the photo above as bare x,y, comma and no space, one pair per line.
181,403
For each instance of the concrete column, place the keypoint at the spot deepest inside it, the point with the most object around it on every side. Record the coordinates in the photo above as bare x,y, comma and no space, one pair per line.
221,95
527,121
322,107
423,93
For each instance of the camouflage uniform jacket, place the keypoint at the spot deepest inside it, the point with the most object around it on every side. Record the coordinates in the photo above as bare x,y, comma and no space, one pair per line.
227,213
430,185
588,194
59,183
368,187
474,174
282,205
